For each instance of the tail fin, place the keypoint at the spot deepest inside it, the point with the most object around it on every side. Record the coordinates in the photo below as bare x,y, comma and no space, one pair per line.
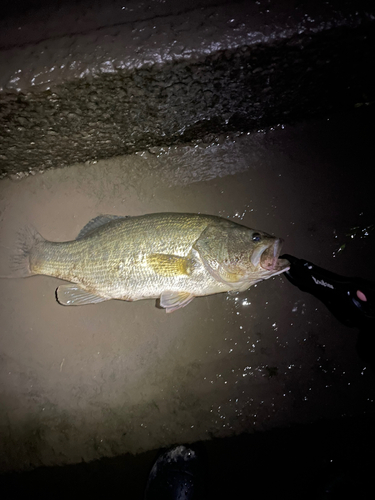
28,238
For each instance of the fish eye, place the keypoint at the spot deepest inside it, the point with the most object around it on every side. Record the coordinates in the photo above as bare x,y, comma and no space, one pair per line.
256,237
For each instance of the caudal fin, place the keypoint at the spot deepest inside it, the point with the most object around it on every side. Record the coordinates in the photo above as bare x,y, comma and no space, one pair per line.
28,238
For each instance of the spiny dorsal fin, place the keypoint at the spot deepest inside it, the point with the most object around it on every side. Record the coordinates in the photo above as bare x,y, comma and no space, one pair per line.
97,222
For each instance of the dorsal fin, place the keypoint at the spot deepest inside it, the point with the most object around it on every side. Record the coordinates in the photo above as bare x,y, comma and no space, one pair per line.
97,222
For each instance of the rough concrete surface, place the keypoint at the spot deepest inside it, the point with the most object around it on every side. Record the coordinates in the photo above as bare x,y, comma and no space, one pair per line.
85,81
101,380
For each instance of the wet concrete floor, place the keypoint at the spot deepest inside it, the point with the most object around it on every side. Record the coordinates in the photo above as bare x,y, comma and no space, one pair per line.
82,383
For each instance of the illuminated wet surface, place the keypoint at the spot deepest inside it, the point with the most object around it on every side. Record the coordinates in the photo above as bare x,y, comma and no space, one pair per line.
116,377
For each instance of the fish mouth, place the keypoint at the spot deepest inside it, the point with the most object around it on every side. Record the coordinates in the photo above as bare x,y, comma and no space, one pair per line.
269,258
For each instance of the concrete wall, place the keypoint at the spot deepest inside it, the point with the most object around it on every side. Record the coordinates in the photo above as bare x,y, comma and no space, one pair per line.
80,81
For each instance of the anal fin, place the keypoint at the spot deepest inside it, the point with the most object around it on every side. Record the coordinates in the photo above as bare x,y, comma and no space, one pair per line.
74,295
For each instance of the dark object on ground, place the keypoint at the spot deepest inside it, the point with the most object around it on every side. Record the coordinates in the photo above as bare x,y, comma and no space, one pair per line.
177,474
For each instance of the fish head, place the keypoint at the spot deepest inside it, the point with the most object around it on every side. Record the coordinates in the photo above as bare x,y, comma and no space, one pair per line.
238,256
251,256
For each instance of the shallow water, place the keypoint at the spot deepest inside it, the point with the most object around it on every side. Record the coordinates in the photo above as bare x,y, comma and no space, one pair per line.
100,380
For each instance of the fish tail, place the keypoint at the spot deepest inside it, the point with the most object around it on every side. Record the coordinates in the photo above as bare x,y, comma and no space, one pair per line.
20,264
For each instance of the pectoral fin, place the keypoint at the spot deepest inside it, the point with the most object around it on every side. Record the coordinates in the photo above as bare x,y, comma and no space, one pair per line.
74,295
171,301
169,265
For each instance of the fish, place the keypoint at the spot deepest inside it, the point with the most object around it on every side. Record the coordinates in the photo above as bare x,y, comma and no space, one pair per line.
171,257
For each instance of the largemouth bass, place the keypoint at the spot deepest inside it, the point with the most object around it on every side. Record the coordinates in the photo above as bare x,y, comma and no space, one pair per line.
173,257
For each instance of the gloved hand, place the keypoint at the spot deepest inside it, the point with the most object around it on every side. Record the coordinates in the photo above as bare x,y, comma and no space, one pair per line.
351,300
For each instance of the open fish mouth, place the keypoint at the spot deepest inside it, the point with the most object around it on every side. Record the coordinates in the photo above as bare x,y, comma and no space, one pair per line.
269,259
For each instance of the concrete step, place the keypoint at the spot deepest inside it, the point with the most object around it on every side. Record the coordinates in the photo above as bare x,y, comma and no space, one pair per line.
82,81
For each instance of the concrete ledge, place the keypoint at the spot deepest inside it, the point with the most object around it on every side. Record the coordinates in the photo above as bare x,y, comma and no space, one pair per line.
114,85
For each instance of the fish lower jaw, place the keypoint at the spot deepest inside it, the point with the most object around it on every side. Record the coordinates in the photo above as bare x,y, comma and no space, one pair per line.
270,256
268,264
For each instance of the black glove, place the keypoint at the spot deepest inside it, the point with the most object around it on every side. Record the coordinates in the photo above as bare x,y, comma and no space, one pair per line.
351,300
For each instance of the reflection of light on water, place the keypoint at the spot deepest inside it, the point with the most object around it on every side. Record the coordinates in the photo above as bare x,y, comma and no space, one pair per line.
340,249
247,371
299,306
356,231
240,215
